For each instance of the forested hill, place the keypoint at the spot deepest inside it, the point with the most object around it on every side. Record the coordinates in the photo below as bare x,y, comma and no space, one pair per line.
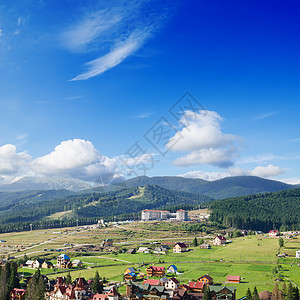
218,189
277,210
136,199
41,208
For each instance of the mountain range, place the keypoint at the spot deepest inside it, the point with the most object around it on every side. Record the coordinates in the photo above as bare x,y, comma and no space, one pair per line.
218,189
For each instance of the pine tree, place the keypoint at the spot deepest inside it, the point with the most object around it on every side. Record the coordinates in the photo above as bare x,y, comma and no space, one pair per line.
5,284
207,294
289,295
248,295
97,285
284,290
68,278
295,293
36,287
255,294
275,292
195,242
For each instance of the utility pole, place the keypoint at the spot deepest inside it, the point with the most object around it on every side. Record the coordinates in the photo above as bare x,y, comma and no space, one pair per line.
77,222
30,228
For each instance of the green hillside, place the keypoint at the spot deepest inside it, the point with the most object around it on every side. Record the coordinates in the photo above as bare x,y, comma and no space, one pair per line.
277,210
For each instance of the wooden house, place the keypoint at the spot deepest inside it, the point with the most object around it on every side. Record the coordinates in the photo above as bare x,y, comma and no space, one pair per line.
180,247
219,240
155,271
129,270
205,246
222,292
47,265
196,286
131,276
233,279
206,279
38,263
172,284
77,263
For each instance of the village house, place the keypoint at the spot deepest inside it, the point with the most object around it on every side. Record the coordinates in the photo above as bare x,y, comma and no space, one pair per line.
129,270
63,261
131,276
144,250
233,279
180,247
222,292
196,286
38,263
206,279
298,254
29,263
205,246
78,291
152,281
77,263
273,233
172,269
265,295
131,251
17,294
172,284
136,291
219,240
160,250
112,294
155,271
47,265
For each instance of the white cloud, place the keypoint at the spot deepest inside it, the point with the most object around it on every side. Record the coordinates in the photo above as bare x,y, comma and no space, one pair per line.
269,171
12,162
116,32
1,33
221,158
210,176
115,57
265,115
201,130
90,28
74,158
202,135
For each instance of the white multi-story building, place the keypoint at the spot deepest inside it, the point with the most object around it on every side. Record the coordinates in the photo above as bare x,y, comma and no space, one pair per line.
152,215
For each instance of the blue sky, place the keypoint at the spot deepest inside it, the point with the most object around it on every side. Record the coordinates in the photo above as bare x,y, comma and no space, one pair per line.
83,84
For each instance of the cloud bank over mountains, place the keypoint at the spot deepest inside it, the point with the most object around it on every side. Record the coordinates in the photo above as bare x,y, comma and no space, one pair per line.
202,142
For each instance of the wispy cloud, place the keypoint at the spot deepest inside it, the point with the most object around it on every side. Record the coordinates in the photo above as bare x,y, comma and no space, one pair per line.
115,57
265,115
116,32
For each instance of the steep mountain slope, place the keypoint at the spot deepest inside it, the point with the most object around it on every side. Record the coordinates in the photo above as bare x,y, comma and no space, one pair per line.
218,189
277,210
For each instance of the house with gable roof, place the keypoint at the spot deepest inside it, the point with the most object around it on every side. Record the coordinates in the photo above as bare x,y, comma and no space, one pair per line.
155,271
180,247
219,240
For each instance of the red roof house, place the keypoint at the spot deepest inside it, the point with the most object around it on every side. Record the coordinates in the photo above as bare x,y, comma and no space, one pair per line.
233,279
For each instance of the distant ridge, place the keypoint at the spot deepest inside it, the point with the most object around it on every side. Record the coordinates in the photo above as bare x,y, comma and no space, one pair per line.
44,183
218,189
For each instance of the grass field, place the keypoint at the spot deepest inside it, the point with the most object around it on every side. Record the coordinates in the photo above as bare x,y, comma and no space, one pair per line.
253,257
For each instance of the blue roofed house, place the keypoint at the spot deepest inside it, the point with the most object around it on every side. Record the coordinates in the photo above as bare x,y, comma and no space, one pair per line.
172,269
63,261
